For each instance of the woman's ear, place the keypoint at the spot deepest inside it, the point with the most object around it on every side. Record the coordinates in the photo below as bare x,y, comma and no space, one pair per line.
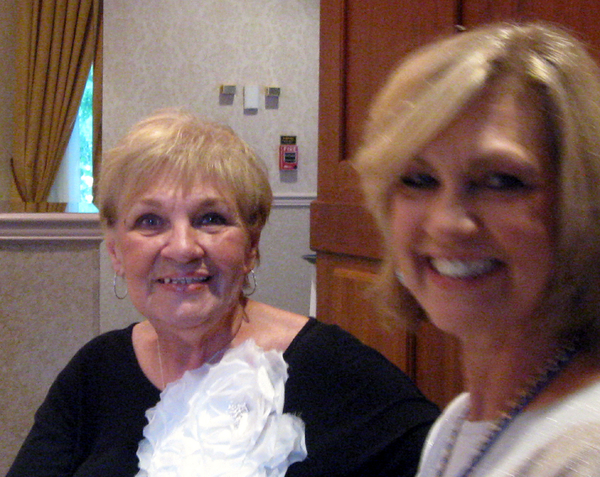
252,256
114,251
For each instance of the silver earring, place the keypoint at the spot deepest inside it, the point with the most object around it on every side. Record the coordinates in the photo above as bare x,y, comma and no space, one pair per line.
399,276
252,286
115,287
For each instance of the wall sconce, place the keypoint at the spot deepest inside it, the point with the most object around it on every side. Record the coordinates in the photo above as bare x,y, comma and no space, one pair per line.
272,91
272,97
228,89
227,94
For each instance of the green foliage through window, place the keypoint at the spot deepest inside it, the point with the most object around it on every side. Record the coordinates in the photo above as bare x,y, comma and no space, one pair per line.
86,140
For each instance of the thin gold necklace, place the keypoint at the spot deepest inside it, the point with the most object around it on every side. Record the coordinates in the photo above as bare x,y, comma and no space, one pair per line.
158,348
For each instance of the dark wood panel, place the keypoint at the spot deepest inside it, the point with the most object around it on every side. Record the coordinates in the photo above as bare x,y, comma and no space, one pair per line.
332,101
429,357
438,371
378,34
582,17
344,228
361,42
345,299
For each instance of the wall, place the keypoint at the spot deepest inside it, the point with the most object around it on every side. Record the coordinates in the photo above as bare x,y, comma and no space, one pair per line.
41,324
177,53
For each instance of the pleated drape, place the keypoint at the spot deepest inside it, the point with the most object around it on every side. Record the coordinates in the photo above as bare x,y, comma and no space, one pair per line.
56,45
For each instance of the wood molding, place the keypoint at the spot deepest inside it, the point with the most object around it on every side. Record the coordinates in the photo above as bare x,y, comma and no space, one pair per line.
293,200
17,227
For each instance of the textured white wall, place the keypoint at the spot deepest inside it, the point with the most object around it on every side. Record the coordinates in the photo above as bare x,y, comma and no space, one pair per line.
166,53
177,53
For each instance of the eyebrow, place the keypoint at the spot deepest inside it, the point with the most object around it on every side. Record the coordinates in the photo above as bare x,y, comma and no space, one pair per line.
209,200
203,203
417,160
516,161
487,158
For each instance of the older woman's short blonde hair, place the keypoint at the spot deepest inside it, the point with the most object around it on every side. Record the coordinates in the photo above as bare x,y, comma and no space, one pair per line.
183,148
435,83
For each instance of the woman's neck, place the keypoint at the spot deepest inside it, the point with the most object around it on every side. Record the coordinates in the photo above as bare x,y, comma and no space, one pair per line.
498,369
180,350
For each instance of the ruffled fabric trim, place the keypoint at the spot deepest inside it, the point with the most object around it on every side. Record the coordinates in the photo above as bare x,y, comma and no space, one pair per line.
224,420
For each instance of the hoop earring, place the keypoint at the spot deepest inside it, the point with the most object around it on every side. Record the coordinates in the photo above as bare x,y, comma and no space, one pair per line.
253,286
115,286
399,276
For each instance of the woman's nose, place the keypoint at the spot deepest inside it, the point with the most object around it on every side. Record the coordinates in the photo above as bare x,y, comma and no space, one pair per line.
452,215
183,244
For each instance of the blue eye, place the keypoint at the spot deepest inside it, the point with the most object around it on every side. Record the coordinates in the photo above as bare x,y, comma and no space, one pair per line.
149,222
418,181
211,218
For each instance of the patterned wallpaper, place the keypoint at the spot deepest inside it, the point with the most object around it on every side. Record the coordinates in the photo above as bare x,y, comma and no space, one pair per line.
177,53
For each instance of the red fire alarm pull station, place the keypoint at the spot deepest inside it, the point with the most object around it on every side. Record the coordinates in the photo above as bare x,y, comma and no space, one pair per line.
288,153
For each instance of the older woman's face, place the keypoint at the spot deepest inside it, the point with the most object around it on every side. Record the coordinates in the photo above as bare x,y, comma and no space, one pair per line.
471,218
184,254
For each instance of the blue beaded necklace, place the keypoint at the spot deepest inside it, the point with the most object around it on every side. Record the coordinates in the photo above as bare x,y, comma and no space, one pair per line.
545,377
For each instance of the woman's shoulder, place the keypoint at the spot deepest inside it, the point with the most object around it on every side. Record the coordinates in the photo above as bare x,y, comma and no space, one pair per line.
111,339
111,345
104,359
341,361
326,353
329,342
298,335
271,327
555,438
307,342
576,452
579,406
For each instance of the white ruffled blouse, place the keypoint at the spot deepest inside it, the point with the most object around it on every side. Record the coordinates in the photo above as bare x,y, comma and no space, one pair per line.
224,420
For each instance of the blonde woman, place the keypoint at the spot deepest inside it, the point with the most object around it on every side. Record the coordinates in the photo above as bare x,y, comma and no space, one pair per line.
482,166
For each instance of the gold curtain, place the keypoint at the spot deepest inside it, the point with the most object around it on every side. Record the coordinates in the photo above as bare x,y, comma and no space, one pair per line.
56,46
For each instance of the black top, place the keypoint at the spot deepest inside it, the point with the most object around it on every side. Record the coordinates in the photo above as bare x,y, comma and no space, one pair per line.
363,416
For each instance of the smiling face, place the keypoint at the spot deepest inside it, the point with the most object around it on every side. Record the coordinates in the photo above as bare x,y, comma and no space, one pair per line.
471,217
184,254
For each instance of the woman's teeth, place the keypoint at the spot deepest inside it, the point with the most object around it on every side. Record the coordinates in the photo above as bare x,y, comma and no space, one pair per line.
182,281
462,268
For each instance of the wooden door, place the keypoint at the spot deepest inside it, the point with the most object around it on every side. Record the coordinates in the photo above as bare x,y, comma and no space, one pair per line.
361,41
580,16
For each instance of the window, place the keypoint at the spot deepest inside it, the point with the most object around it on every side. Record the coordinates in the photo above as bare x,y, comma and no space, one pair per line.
75,179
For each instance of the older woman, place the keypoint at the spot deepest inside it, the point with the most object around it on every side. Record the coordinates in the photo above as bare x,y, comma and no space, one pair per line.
482,166
183,202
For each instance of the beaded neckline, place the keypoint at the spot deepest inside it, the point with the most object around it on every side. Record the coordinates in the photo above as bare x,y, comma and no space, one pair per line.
542,380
